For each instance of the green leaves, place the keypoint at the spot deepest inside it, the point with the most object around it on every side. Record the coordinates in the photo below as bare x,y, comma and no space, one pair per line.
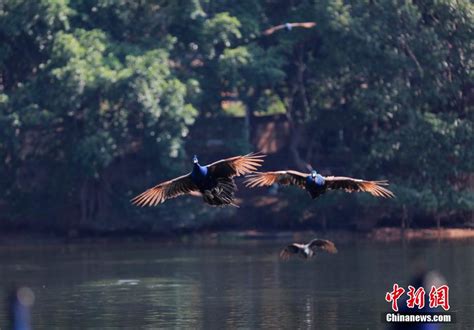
222,29
82,100
376,89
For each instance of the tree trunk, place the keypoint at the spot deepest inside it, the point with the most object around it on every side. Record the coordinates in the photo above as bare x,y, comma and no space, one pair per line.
83,203
296,130
404,221
295,138
90,201
251,101
438,223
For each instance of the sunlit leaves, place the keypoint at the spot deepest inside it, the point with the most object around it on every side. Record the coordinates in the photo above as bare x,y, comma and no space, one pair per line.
222,28
380,88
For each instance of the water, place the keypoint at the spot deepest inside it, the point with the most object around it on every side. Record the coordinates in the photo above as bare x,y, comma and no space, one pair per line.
227,283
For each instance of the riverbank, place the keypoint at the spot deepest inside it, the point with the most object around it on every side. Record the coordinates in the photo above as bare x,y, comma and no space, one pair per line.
395,234
378,234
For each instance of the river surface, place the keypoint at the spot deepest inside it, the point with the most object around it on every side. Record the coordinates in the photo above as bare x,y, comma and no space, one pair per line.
227,283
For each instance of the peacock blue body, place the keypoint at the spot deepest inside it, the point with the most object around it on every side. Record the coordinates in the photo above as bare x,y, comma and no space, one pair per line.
215,190
201,177
319,180
315,184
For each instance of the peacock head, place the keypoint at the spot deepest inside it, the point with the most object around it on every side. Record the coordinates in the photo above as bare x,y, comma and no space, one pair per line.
195,159
314,174
308,252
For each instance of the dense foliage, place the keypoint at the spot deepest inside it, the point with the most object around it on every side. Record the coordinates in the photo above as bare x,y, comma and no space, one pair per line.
100,99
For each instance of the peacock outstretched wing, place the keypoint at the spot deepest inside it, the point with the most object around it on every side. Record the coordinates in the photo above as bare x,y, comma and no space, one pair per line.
236,166
323,244
275,28
166,190
290,250
354,185
285,178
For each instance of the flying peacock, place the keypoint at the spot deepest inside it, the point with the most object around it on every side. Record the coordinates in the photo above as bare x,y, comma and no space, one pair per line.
317,184
288,27
214,181
308,250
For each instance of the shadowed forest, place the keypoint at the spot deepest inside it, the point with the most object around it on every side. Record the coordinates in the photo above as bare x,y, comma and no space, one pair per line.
100,100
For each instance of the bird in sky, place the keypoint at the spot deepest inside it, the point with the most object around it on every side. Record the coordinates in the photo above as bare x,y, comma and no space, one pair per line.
288,27
316,184
308,250
214,181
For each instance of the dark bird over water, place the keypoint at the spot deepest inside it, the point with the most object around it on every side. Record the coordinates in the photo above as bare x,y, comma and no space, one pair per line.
288,27
307,251
317,184
214,181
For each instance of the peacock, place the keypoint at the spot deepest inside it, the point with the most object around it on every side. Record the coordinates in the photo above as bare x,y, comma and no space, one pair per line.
214,181
308,250
316,184
288,27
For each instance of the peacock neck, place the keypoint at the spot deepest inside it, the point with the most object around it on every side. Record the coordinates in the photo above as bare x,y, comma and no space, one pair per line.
199,171
318,180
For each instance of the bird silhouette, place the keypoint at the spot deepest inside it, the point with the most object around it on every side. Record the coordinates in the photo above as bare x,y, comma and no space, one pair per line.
308,250
317,184
214,181
288,27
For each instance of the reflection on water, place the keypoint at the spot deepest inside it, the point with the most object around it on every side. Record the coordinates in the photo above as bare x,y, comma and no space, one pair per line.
237,284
